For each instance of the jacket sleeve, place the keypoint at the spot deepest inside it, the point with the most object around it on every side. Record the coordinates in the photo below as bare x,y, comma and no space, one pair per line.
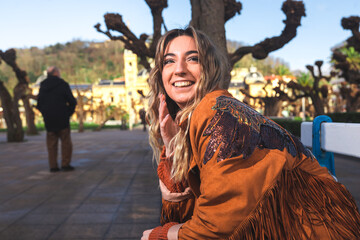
70,99
177,199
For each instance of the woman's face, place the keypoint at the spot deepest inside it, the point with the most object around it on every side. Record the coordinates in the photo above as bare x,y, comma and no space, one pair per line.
181,70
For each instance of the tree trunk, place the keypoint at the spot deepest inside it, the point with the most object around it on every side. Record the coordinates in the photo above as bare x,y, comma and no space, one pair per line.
21,91
318,105
104,122
30,117
272,106
80,111
209,17
352,103
81,121
351,94
15,133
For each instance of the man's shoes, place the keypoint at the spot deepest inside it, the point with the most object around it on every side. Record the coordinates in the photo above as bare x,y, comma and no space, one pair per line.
54,169
67,168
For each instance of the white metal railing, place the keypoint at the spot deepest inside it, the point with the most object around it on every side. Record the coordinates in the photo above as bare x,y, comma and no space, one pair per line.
326,138
342,138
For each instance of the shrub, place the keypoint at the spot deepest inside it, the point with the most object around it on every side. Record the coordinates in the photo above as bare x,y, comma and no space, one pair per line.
350,117
291,125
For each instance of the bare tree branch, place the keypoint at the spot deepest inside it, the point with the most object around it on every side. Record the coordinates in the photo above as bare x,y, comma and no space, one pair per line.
114,22
352,23
246,93
286,96
294,11
156,6
231,8
10,58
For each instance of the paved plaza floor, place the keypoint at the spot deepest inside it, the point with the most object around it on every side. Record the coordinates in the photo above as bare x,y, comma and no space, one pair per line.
112,194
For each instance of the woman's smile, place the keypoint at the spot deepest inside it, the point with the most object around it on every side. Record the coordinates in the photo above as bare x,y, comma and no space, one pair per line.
183,83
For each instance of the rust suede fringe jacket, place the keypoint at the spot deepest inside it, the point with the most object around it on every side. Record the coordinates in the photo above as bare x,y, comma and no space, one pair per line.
251,179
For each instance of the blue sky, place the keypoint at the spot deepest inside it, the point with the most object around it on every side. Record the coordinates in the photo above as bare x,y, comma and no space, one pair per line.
26,23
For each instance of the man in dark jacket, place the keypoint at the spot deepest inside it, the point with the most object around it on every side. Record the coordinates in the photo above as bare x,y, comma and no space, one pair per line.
56,104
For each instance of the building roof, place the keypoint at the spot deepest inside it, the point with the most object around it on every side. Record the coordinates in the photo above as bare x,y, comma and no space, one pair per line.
81,86
117,81
236,85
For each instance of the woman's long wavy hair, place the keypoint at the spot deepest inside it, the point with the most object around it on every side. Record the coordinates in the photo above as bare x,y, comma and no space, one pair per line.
214,75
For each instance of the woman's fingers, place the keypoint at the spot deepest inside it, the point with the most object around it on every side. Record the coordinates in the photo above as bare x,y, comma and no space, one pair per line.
168,127
163,110
166,121
173,197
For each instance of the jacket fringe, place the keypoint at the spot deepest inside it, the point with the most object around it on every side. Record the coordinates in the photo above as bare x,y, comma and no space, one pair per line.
169,212
177,211
297,205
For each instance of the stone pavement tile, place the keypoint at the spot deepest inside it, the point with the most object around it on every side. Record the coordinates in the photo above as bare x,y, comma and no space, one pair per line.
347,170
128,231
101,198
45,218
9,217
143,188
139,216
79,231
3,226
17,205
24,232
66,199
39,190
108,188
142,199
13,188
155,204
90,218
97,208
56,208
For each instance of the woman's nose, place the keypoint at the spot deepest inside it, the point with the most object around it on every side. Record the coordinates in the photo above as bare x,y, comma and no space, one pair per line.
180,67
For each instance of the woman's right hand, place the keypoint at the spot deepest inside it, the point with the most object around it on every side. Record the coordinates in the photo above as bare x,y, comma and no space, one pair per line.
168,127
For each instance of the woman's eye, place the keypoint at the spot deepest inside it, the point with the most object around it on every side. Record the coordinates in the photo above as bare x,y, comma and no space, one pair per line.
194,58
167,61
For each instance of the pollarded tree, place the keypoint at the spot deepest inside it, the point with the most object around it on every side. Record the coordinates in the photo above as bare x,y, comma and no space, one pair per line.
21,90
318,90
274,97
80,111
15,132
346,60
209,16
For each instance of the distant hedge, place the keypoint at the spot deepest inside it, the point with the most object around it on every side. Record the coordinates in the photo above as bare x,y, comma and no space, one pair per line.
292,125
351,117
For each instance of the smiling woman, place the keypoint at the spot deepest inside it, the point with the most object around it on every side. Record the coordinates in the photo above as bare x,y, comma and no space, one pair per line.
225,171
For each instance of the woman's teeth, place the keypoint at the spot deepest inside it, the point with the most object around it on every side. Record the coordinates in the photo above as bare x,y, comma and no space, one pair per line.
182,84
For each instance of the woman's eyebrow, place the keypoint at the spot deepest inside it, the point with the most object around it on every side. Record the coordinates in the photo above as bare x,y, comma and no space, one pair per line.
169,54
187,53
191,52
